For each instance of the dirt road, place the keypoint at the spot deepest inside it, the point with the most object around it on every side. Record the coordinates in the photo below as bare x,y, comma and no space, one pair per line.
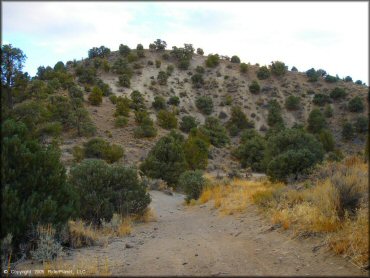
198,241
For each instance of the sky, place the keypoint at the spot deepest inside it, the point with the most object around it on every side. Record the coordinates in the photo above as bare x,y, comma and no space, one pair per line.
333,36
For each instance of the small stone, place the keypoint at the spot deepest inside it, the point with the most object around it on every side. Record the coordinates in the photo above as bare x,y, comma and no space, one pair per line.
155,228
128,246
196,255
184,263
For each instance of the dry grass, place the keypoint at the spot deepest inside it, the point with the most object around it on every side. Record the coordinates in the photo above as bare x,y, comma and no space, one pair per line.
336,204
81,234
80,266
147,216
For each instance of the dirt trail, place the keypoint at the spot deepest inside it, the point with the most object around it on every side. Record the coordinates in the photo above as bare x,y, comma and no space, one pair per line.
198,241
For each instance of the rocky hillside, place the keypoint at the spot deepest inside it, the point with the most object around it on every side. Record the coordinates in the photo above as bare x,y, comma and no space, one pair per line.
226,85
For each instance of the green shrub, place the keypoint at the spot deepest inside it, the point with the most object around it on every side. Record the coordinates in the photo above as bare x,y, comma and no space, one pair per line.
166,160
120,121
347,131
101,52
196,153
312,75
331,79
122,107
140,50
183,64
328,111
51,128
197,80
356,105
212,60
200,51
124,81
204,104
292,103
145,129
215,131
122,67
166,119
316,121
140,115
235,59
132,58
338,93
106,90
192,182
170,70
348,79
162,78
358,82
96,96
254,87
174,100
327,140
238,121
294,69
138,101
278,68
244,67
361,124
158,64
101,149
251,151
274,117
263,73
159,103
321,99
200,70
105,189
291,152
187,123
78,153
34,186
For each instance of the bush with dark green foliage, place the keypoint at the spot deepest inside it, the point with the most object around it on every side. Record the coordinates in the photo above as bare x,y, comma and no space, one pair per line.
146,128
96,96
204,104
200,51
238,121
59,66
166,160
192,182
86,75
138,101
124,81
312,75
274,116
101,149
106,189
294,69
235,59
158,64
327,140
356,105
122,106
263,73
170,70
278,68
331,79
200,70
34,187
291,152
361,124
166,119
124,50
140,50
347,131
251,150
197,80
321,99
254,87
101,52
159,103
358,82
120,121
338,93
187,123
328,111
212,60
292,103
121,66
348,79
160,45
316,121
183,64
174,100
244,67
213,129
196,152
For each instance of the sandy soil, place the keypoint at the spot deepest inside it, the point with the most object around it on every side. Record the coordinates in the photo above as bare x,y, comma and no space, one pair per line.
198,241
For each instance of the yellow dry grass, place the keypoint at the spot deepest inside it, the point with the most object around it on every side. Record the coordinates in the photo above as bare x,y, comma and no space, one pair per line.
316,209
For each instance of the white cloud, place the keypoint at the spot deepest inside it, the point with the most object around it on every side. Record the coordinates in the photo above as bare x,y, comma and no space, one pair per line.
333,36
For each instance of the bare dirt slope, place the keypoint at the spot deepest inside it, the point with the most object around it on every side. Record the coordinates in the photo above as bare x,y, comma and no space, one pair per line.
198,241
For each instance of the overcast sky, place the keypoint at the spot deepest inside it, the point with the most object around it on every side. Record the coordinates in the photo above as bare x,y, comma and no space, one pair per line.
327,35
